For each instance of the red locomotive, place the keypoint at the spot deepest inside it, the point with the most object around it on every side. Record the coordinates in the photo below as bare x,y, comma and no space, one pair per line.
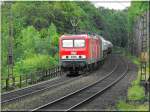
77,52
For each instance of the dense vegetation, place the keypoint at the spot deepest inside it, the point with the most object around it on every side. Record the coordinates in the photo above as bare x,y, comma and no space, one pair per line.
37,27
136,99
136,9
134,12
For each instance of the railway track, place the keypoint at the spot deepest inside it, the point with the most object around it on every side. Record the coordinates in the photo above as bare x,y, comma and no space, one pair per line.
18,95
35,89
41,88
81,96
100,92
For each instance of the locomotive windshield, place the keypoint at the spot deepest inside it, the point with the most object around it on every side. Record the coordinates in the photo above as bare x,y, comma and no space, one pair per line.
79,43
67,43
73,43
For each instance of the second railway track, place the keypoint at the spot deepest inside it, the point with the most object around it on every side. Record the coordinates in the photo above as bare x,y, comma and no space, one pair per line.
78,97
23,93
18,95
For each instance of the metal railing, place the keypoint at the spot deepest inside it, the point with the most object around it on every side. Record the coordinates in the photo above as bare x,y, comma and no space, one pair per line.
31,78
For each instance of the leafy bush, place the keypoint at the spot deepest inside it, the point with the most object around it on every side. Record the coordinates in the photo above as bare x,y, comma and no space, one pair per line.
56,56
137,81
136,93
37,62
135,60
123,106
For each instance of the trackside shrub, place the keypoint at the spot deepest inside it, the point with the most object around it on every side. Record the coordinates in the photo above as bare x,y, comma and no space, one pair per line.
35,63
123,106
136,93
137,81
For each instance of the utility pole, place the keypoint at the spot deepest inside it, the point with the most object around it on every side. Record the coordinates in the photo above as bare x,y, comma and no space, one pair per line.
11,79
144,53
74,22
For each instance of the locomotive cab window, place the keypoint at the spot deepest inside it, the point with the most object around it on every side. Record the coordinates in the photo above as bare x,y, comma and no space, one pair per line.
79,43
67,43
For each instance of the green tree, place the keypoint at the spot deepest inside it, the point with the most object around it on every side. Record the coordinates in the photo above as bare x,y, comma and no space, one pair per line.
53,39
29,38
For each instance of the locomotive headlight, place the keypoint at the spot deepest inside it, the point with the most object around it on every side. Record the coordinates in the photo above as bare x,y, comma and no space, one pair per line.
63,57
83,56
73,57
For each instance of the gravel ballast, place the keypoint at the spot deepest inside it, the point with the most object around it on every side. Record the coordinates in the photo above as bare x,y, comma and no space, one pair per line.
108,100
33,102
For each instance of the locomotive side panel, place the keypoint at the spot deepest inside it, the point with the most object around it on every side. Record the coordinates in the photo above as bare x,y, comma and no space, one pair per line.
100,53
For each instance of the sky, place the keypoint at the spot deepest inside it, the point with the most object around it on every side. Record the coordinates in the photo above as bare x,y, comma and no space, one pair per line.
112,4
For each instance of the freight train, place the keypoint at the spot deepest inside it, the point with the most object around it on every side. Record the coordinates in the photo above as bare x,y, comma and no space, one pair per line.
82,51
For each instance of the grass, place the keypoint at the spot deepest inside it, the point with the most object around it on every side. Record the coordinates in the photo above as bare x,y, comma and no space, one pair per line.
137,81
136,93
123,106
133,59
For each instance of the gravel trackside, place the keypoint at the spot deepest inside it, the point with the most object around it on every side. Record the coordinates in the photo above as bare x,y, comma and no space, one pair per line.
108,100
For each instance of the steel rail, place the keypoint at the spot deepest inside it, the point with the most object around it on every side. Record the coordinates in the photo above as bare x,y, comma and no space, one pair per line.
101,91
30,86
77,91
38,91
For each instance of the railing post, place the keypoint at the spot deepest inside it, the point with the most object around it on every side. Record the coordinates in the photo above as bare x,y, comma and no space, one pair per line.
35,76
26,80
7,84
41,72
46,72
41,75
13,81
31,78
60,70
54,72
49,71
50,75
20,81
57,71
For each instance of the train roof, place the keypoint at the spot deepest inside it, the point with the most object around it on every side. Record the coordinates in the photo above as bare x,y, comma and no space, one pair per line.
73,35
85,36
78,36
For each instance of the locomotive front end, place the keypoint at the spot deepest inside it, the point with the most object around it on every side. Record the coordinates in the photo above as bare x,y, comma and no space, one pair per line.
72,52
